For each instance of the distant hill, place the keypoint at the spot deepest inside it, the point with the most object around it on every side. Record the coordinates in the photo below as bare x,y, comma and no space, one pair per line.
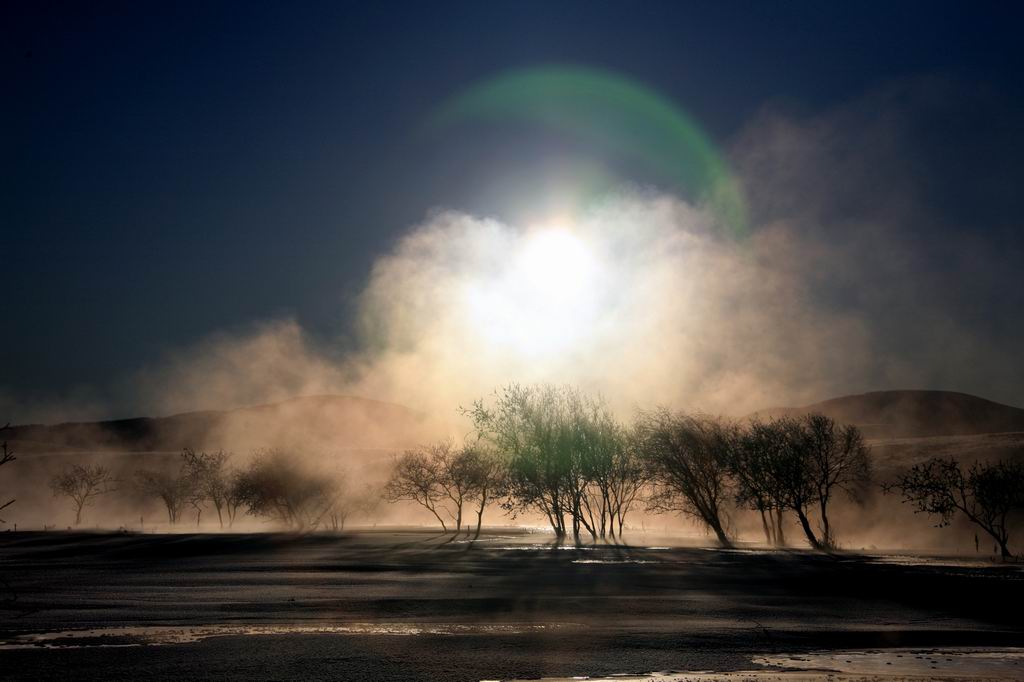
914,414
309,421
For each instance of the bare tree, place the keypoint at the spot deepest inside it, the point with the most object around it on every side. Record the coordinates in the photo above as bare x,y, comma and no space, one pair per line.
416,477
6,456
838,460
484,476
81,483
755,470
279,486
798,464
349,502
793,475
211,480
174,489
688,458
986,493
455,476
235,494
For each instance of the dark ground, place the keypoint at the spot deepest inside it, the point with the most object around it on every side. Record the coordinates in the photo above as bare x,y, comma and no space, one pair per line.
508,607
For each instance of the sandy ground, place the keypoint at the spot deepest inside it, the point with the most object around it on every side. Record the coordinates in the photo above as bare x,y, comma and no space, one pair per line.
404,605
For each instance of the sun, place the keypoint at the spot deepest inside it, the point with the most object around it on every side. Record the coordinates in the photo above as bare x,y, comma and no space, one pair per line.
545,300
556,266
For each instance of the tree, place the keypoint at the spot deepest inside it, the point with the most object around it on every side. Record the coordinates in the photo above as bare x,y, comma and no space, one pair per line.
838,460
416,477
755,468
793,474
798,464
484,476
626,479
349,502
211,480
81,484
235,494
454,476
6,456
688,458
174,489
615,473
547,437
279,486
986,493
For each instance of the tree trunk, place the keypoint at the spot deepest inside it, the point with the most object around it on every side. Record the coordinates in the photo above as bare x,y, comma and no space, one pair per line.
827,540
480,515
551,521
806,525
444,526
78,515
767,530
715,524
780,536
723,539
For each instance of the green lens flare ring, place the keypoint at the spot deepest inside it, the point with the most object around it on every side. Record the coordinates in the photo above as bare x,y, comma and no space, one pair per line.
616,115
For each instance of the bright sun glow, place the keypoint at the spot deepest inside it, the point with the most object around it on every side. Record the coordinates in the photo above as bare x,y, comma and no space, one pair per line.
545,301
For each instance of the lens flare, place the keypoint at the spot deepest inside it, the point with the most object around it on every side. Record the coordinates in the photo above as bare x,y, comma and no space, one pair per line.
616,116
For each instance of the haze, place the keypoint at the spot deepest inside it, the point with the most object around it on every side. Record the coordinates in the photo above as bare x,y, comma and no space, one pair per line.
532,340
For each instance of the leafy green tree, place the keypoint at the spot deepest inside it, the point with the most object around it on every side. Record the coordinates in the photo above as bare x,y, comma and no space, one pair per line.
555,443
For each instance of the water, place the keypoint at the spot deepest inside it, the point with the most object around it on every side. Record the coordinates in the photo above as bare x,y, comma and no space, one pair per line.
165,635
881,665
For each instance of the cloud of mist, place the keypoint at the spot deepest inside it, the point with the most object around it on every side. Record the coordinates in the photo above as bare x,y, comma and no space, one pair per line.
678,315
902,205
684,317
855,277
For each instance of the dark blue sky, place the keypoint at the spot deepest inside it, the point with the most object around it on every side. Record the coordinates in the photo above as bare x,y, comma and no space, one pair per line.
172,170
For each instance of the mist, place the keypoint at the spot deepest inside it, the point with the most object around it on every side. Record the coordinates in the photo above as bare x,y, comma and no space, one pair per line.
838,287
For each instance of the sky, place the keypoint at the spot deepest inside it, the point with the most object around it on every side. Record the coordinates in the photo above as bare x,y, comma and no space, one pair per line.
176,172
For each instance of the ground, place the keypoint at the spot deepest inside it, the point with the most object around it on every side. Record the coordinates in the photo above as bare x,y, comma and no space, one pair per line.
406,605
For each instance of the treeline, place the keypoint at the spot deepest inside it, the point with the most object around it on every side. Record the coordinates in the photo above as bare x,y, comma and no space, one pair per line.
273,485
559,453
556,452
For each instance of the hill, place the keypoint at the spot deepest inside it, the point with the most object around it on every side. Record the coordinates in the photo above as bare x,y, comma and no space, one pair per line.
913,414
309,421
